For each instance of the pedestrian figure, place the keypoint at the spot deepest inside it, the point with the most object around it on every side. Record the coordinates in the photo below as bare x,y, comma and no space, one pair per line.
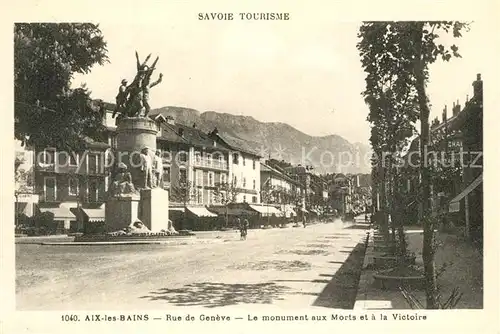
305,221
244,229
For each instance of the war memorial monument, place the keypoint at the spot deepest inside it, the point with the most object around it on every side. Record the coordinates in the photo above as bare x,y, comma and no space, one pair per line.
135,203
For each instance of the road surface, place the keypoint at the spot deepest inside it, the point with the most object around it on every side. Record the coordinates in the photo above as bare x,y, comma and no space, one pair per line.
290,268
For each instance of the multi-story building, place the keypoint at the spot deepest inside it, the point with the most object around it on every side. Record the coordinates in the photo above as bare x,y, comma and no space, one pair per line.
280,189
191,158
25,196
341,190
244,171
303,176
458,142
319,187
275,183
468,203
67,181
361,192
208,163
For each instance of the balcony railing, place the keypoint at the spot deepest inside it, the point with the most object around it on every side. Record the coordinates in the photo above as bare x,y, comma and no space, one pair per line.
215,164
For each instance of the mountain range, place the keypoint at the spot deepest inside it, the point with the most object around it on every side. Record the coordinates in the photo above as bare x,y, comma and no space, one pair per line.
326,154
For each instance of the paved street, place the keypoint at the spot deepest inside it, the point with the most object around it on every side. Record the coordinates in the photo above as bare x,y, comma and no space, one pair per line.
290,268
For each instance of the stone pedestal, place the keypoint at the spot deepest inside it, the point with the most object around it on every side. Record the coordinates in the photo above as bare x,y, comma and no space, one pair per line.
133,134
151,207
154,209
121,212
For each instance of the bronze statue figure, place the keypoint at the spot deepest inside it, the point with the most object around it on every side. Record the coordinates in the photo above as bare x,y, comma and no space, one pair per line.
121,98
147,167
133,100
158,169
122,184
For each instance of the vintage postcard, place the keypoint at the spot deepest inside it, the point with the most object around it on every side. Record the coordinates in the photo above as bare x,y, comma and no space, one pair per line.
187,166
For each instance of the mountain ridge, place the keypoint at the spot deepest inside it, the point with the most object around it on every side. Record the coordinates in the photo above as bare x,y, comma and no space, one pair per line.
279,140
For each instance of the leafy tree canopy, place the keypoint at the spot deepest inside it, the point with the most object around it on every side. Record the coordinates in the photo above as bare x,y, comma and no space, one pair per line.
396,57
48,113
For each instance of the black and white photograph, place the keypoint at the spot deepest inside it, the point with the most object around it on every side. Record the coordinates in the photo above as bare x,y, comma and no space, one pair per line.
230,161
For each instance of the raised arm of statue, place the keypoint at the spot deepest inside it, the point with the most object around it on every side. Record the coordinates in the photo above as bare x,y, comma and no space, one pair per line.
157,81
154,63
138,62
139,65
146,60
148,74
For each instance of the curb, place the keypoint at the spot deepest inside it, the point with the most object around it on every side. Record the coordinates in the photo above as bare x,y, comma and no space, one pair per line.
365,278
137,242
53,236
39,241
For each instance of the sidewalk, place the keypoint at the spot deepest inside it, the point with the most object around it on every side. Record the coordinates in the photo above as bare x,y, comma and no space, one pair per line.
464,271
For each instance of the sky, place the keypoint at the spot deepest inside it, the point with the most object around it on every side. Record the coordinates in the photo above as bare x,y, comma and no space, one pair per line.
306,75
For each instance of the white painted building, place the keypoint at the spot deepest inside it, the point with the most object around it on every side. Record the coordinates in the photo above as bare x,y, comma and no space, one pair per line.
244,172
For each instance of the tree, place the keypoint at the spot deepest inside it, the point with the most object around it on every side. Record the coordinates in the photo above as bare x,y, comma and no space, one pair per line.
183,193
23,179
48,113
403,51
226,193
266,193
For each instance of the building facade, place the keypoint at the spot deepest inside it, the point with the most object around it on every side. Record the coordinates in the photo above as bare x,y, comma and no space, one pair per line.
24,191
279,188
68,181
457,183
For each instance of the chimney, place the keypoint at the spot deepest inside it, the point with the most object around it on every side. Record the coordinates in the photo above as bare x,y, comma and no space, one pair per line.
170,120
456,108
478,87
445,116
435,122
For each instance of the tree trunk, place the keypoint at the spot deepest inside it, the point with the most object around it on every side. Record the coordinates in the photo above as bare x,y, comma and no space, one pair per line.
227,214
398,198
428,243
384,222
391,202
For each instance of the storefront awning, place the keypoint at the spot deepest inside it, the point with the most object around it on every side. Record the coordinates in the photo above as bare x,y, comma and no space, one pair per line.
455,202
289,212
176,209
222,210
61,213
266,210
95,215
200,211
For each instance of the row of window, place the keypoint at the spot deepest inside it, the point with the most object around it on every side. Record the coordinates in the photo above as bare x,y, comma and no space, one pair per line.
198,179
48,157
50,189
236,160
208,157
216,158
213,199
223,180
244,182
